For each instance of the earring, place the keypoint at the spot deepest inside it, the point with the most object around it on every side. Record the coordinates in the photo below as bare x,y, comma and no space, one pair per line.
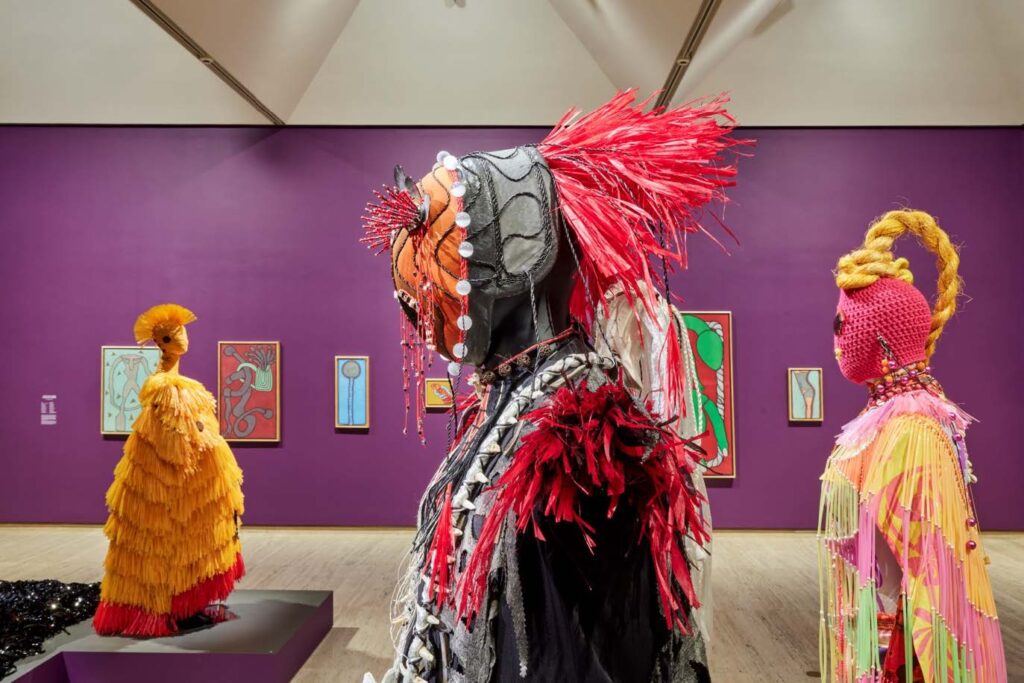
889,362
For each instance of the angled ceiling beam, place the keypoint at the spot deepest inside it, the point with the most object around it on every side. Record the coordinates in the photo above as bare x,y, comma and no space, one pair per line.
186,41
698,28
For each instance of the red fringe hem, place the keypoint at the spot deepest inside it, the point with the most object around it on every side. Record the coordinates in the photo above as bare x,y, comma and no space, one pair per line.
213,589
126,620
122,620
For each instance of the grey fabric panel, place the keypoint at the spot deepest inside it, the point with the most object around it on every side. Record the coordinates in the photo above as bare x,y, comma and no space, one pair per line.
511,201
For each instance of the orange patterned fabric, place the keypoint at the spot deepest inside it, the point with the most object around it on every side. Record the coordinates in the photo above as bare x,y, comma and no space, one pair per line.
433,261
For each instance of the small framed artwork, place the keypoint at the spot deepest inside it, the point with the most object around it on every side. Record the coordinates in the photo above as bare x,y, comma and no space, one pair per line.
437,394
123,370
806,401
710,335
249,390
351,392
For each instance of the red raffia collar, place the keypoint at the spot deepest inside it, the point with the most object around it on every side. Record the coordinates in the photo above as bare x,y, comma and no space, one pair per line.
597,442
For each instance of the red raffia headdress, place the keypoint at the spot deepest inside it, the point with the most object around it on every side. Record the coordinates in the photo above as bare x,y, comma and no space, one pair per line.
631,185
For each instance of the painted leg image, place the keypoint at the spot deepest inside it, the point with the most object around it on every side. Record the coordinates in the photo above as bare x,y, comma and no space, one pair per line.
807,392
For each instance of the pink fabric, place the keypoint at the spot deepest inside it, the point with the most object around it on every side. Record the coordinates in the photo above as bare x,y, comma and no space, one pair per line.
862,430
891,308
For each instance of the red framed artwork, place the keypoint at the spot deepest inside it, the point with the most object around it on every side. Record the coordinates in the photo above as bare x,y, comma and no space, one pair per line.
249,390
710,335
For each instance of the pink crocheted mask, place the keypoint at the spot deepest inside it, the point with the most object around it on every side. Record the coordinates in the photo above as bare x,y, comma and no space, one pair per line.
889,308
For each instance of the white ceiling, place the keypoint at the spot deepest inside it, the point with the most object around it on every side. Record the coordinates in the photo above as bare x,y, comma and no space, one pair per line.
431,62
103,61
510,62
870,62
274,47
633,41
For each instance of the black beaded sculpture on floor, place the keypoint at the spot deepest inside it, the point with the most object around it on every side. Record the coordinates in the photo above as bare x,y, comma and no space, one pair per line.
31,612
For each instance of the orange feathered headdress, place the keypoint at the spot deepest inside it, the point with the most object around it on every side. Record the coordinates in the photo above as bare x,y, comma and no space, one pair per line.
160,320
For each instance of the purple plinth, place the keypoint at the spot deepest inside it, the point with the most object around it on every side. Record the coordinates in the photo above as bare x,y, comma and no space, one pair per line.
50,670
273,634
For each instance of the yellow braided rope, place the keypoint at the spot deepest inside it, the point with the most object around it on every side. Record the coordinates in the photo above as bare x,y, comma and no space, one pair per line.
874,260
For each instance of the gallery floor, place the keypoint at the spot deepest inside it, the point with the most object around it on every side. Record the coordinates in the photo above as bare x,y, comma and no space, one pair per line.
765,596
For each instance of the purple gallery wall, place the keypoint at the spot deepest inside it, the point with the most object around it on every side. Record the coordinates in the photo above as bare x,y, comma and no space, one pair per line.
256,230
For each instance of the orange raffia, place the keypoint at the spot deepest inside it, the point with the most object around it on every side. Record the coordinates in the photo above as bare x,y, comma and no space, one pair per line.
175,503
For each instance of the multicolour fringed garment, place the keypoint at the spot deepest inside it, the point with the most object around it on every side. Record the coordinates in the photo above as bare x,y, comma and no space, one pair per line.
900,545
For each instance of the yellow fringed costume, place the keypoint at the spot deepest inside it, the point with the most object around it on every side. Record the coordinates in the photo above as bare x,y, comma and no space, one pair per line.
176,501
905,593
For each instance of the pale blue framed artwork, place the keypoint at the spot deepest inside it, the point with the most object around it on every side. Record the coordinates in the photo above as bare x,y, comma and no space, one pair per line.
123,371
351,392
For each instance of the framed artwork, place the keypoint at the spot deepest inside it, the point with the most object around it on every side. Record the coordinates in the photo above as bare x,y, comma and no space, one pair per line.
710,335
351,392
249,390
437,394
123,370
806,401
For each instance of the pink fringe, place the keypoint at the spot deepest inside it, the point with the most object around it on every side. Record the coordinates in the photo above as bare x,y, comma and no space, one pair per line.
865,427
946,584
966,623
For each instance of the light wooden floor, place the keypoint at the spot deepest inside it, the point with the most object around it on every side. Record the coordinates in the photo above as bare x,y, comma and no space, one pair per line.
765,592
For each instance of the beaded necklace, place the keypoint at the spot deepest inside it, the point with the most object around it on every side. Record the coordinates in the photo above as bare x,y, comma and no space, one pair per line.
901,380
522,360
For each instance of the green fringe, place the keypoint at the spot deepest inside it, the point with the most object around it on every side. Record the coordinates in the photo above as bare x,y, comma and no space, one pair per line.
948,656
867,654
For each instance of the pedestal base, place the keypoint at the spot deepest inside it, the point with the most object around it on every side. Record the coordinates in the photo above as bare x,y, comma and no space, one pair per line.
271,636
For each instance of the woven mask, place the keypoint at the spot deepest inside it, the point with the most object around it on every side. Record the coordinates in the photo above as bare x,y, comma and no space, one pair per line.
891,309
489,234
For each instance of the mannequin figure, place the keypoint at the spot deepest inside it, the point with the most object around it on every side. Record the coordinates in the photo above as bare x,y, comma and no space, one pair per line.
905,590
175,504
552,543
